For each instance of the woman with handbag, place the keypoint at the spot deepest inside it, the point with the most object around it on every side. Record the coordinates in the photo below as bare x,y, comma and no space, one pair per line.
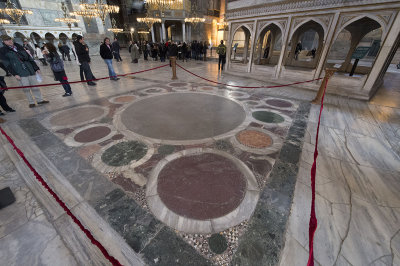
3,88
57,66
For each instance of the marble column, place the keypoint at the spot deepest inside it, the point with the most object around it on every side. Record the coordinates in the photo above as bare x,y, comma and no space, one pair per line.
252,41
229,47
190,31
161,34
183,31
246,46
164,35
385,53
328,43
285,39
152,33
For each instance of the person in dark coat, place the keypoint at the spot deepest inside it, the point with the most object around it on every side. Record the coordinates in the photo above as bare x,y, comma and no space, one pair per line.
205,47
106,52
82,51
163,52
23,67
28,47
57,66
298,49
66,50
116,48
3,88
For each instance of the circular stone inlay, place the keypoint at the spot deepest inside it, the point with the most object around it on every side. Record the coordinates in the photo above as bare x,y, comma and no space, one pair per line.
201,187
123,153
268,117
76,116
217,243
177,84
124,99
254,139
183,116
92,134
279,103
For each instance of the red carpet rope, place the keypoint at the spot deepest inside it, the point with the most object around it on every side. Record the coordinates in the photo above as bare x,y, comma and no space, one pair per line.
83,81
246,87
89,235
313,219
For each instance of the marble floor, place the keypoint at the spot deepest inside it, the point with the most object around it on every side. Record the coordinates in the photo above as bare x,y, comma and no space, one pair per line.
188,173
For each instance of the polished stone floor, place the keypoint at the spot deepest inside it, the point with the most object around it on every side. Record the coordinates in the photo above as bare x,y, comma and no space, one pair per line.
189,173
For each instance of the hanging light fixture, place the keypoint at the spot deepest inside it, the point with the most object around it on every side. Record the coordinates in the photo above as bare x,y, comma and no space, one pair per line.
102,9
114,28
86,15
195,19
14,12
66,19
161,5
149,21
4,21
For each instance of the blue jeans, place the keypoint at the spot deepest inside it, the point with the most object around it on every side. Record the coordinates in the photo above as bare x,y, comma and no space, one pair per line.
111,71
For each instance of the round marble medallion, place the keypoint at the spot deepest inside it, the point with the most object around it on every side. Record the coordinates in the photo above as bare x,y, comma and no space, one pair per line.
124,99
92,134
123,153
254,139
183,116
279,103
77,116
268,117
201,187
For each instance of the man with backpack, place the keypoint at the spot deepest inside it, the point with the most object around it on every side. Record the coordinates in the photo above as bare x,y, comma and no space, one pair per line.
221,51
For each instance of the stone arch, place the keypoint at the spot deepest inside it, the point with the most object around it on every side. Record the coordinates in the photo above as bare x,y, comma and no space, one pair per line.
266,48
36,38
315,20
240,26
269,24
49,37
240,50
19,37
371,16
63,37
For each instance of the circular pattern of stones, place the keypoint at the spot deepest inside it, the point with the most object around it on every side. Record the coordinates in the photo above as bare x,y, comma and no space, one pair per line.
279,103
123,99
92,134
77,116
201,187
254,139
202,191
268,117
123,153
182,116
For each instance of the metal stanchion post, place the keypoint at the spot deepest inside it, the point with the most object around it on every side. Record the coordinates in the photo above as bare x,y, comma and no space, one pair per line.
328,74
173,64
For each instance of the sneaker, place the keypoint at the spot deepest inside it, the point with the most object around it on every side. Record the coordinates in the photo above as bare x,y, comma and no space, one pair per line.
66,94
10,110
43,102
91,83
115,79
31,105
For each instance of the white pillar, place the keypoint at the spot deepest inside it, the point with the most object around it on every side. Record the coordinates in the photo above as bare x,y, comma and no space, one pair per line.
161,34
328,43
164,35
183,31
284,46
228,46
153,39
190,32
252,41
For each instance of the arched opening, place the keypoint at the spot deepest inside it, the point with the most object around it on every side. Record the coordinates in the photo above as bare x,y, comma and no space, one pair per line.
49,37
241,46
74,35
268,46
305,46
63,38
36,38
19,38
364,32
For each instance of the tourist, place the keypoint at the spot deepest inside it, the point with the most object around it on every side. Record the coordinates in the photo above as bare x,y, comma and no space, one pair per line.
116,48
23,68
57,66
221,51
66,51
184,51
134,53
3,88
154,52
72,48
298,49
39,55
106,53
82,51
145,51
28,47
205,47
163,52
266,52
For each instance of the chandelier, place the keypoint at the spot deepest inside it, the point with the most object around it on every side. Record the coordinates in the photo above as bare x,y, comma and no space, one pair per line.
195,20
114,28
100,8
143,32
66,19
4,21
14,12
86,15
149,21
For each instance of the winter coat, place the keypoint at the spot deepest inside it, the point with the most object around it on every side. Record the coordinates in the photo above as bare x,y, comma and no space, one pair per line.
59,75
134,52
173,50
105,52
18,62
116,47
81,53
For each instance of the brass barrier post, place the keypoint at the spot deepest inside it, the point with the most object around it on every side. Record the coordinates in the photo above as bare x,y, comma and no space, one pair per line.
173,64
2,120
328,74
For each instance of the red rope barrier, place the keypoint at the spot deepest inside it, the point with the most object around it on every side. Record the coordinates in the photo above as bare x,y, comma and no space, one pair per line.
83,81
246,87
89,235
313,219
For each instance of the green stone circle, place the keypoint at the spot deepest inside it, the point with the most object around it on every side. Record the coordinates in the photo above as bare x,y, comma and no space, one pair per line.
123,153
268,117
166,149
217,243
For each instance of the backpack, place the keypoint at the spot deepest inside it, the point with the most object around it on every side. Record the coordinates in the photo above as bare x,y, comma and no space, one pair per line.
57,65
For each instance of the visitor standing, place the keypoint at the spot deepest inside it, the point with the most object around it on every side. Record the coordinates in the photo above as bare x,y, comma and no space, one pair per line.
134,53
3,88
39,55
57,66
82,51
66,51
106,53
28,47
205,47
298,49
23,67
221,51
116,48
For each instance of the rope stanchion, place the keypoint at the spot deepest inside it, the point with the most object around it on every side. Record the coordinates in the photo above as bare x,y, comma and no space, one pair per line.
246,87
88,234
84,81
